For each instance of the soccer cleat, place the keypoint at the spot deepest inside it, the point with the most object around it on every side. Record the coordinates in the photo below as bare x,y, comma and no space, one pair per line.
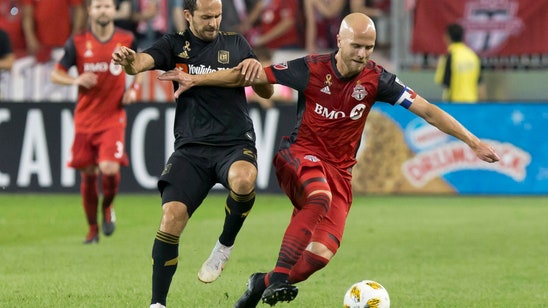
280,291
255,289
92,237
213,266
157,305
109,221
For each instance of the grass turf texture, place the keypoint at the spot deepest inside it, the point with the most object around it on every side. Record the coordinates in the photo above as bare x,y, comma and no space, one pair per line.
427,251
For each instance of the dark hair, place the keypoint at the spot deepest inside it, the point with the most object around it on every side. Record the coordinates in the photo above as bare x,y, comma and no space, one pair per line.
190,5
455,32
88,2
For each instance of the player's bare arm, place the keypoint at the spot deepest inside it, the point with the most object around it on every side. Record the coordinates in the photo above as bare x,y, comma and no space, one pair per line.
132,62
87,80
449,125
235,77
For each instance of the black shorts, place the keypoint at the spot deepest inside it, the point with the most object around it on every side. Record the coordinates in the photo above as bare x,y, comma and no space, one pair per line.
192,170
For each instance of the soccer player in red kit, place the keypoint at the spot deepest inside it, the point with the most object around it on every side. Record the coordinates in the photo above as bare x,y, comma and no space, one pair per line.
314,163
99,117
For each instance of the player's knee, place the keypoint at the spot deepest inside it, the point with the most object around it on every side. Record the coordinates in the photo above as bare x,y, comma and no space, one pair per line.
174,217
241,177
243,183
109,168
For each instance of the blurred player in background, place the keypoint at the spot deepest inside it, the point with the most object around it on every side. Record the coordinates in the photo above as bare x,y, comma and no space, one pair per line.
214,138
7,57
99,117
314,164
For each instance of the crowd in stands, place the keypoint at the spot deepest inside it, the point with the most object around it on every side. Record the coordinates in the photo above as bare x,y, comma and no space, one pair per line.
36,27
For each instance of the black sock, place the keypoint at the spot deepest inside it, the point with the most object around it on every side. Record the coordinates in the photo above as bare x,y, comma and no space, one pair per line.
275,277
165,255
236,210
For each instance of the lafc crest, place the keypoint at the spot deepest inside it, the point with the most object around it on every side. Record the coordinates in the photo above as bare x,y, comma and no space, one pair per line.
223,57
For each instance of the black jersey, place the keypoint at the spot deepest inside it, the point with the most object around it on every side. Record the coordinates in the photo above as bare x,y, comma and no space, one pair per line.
207,115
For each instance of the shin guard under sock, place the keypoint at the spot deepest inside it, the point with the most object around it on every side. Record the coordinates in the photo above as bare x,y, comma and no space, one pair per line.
90,196
165,256
236,210
299,232
110,184
307,265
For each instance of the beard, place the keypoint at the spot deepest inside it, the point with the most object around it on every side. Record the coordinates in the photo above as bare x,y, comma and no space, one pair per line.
103,21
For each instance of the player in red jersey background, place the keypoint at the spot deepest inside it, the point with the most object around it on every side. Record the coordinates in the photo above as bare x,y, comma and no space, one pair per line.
99,117
48,24
314,163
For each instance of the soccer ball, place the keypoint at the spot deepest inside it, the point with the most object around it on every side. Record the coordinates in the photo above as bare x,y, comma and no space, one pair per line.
366,294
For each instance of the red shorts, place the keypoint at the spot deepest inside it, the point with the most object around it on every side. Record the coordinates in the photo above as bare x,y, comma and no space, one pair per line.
88,149
297,172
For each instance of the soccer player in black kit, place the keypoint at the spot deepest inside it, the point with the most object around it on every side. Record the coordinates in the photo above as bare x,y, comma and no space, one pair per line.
314,163
214,137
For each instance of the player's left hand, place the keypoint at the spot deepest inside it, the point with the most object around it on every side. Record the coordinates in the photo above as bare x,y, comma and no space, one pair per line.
250,68
486,153
183,79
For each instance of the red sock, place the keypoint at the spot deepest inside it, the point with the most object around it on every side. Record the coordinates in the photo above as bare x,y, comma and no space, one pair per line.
307,265
88,189
110,184
299,232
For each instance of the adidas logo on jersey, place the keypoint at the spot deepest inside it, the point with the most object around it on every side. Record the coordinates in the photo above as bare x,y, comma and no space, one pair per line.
326,90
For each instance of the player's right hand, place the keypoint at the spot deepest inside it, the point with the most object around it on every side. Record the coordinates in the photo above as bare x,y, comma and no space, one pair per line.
87,80
123,56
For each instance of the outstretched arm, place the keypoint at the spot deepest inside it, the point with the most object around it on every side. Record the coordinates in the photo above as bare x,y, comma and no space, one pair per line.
449,125
245,74
132,62
87,80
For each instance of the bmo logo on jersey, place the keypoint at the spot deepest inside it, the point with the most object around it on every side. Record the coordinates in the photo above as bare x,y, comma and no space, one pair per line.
355,113
101,67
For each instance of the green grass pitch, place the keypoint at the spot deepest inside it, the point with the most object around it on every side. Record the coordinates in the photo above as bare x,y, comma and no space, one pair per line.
427,251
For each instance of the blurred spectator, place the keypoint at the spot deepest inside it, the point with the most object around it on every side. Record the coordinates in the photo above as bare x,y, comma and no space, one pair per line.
7,58
177,22
282,94
367,7
378,11
11,22
238,15
123,18
48,24
6,53
279,26
152,21
323,18
459,71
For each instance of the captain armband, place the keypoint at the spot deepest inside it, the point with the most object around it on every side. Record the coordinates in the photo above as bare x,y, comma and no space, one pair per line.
406,97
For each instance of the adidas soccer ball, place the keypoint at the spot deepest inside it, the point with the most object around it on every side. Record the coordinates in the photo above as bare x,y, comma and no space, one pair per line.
366,294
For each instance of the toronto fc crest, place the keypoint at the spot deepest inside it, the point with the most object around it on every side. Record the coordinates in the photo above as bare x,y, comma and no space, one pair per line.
359,92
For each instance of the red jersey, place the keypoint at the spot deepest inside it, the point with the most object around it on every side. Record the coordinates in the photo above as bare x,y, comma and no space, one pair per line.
331,110
11,22
52,20
99,107
273,13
